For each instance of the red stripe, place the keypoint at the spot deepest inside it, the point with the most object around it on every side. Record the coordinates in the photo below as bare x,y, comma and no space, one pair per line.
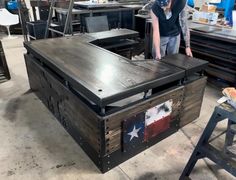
156,128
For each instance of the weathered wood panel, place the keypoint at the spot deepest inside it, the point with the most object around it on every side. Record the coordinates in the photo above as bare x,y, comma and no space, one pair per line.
192,102
68,109
114,141
114,121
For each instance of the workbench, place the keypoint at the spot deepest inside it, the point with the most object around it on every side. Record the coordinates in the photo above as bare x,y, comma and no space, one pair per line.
120,15
102,99
218,46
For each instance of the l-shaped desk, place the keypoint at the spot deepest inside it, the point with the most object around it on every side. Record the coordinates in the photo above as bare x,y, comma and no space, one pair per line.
101,98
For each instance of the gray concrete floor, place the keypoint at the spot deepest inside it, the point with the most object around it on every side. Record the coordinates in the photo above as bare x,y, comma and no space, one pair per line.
35,146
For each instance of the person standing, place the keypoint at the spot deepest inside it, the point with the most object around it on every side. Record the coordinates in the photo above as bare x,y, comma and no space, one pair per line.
169,20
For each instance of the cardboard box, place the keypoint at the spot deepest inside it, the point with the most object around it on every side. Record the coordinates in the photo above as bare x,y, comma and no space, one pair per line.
208,8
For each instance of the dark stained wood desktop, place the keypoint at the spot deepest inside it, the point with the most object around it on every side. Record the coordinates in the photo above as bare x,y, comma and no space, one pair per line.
189,64
103,77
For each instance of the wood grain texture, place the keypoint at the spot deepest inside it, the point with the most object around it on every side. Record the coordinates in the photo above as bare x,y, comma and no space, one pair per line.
100,75
192,102
189,64
66,107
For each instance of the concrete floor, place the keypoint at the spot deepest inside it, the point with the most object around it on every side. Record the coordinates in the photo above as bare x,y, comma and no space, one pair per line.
35,146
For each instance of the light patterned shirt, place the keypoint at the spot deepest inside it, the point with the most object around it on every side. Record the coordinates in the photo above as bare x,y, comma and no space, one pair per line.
183,19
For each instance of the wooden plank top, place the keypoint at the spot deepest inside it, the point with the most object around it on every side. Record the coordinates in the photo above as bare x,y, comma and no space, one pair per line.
101,76
189,64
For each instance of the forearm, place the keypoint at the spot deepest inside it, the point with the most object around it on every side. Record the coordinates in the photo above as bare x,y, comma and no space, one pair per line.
156,34
156,42
184,27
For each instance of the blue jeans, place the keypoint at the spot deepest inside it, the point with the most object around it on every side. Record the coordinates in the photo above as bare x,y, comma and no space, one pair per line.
168,45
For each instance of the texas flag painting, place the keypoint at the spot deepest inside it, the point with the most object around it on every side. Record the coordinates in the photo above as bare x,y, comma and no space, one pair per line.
133,131
157,119
146,125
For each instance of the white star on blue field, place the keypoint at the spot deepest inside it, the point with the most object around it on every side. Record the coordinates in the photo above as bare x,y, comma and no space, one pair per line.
134,133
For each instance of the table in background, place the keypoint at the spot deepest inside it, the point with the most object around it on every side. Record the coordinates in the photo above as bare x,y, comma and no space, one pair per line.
218,46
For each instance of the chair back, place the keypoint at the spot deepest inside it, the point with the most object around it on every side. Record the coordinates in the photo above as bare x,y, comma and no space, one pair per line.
8,19
96,24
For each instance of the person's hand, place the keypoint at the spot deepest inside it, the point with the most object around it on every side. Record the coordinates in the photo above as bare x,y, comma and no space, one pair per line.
188,52
158,56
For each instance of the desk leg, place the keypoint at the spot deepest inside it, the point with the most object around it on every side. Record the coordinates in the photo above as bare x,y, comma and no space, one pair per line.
215,118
